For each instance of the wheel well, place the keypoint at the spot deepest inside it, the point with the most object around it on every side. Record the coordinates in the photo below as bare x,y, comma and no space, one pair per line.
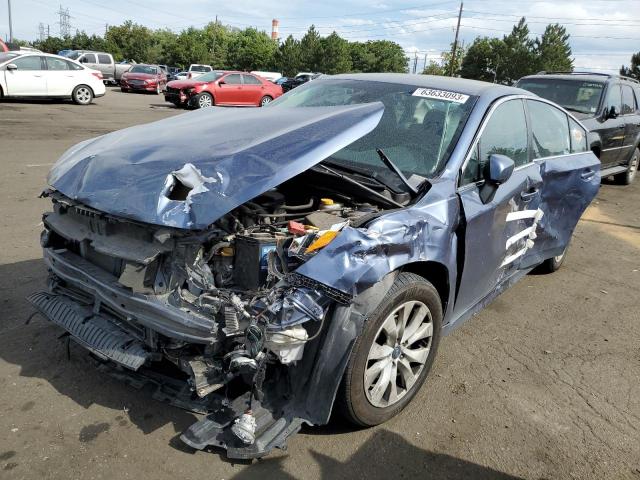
435,273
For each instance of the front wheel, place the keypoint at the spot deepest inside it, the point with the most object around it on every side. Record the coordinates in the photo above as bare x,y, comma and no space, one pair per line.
627,177
82,95
204,100
393,355
266,100
552,264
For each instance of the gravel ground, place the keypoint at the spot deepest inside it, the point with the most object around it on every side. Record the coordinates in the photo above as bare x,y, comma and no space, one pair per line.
544,383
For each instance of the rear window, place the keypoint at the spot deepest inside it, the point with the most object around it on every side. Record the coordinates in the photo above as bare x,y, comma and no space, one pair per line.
200,68
575,95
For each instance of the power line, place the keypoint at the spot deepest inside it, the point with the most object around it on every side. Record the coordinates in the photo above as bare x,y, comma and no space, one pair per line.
534,33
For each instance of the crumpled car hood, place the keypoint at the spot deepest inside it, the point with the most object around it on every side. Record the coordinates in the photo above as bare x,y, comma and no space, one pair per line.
226,156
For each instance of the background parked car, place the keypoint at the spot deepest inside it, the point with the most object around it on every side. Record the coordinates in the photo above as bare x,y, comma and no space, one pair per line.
144,78
222,88
298,80
271,76
608,106
28,74
195,70
181,75
102,61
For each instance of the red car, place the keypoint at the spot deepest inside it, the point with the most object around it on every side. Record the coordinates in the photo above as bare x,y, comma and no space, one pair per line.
222,88
144,78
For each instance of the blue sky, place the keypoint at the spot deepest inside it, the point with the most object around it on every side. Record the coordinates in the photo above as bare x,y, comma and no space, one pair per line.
604,32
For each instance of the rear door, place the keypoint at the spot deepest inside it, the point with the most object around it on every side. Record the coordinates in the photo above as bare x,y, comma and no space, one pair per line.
106,66
570,178
497,233
61,76
229,91
632,122
30,77
253,89
611,129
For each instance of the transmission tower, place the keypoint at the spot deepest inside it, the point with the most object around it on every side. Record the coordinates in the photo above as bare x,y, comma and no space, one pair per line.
64,22
41,32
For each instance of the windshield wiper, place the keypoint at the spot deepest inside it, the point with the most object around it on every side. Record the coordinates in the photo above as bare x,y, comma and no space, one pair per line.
394,168
352,181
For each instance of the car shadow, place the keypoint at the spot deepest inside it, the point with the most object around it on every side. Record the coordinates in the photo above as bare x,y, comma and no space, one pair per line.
39,101
384,455
39,352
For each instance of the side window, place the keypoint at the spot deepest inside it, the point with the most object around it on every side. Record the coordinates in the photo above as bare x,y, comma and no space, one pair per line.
57,64
251,80
233,79
104,59
32,62
549,130
578,137
505,133
628,100
614,99
73,66
88,58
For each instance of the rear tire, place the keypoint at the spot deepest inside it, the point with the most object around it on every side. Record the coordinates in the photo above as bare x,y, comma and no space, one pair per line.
406,348
627,177
124,90
266,100
553,264
82,95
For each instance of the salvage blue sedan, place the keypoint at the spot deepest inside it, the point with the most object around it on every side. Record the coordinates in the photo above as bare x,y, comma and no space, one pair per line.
264,267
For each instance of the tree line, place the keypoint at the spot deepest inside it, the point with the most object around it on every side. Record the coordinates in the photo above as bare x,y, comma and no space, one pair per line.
505,60
226,47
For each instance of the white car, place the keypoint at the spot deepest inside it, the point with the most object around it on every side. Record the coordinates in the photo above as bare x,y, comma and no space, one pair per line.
32,74
271,76
195,70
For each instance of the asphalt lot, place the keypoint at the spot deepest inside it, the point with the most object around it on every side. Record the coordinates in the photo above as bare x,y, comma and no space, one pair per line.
545,383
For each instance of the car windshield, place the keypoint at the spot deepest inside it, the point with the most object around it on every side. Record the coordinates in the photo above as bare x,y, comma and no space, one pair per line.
575,95
200,68
210,77
144,69
417,131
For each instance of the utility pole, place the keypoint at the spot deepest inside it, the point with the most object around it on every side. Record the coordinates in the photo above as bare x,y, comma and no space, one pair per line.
455,44
65,24
213,47
415,63
425,62
41,31
10,23
106,29
48,31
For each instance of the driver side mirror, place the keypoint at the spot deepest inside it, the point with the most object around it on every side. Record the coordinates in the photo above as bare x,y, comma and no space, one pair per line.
12,66
498,170
612,112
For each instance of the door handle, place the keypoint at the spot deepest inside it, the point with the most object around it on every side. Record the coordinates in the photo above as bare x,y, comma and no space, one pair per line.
587,175
528,196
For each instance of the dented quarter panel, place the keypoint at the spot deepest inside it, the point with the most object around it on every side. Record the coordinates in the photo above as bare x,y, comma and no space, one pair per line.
236,154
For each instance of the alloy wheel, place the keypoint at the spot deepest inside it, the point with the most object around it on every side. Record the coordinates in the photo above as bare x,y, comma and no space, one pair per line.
83,95
398,354
265,101
204,101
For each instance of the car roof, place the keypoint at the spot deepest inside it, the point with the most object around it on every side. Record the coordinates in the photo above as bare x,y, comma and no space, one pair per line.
460,85
589,77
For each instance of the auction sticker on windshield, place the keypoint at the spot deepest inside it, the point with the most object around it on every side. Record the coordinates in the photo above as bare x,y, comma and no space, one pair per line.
440,95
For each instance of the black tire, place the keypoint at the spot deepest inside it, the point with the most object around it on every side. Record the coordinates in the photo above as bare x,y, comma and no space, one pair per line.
266,100
352,401
82,95
203,100
552,264
123,90
626,178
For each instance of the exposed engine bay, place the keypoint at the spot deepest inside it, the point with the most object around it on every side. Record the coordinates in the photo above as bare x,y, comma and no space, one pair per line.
222,309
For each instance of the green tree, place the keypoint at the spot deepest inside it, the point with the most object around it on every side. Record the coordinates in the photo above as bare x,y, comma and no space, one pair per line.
633,70
336,56
250,49
389,56
518,57
451,65
129,41
434,68
311,48
553,50
362,59
482,59
289,57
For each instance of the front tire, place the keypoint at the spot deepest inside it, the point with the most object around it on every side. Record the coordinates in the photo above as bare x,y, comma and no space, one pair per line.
392,357
82,95
552,264
627,177
204,100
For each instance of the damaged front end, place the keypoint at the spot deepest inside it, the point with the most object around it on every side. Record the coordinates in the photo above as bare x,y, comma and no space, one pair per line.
218,319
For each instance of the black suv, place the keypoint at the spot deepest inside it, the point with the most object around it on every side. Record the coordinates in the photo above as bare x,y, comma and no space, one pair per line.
607,105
